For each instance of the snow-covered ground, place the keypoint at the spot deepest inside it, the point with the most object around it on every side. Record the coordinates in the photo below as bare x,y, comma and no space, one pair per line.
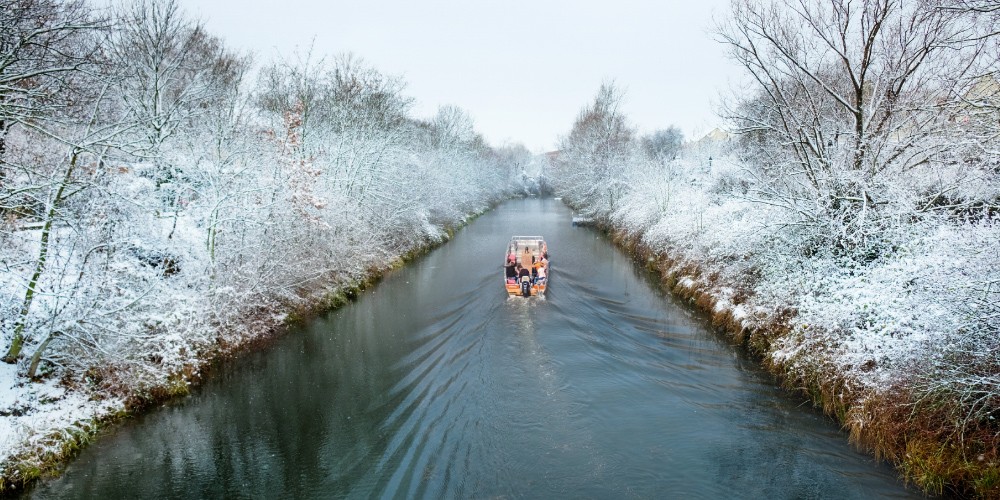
913,328
160,319
875,322
38,419
124,280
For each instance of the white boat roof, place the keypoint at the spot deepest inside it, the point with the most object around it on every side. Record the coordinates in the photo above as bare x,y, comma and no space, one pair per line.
532,243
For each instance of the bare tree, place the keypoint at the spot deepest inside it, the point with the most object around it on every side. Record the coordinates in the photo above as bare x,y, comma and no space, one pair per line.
453,124
44,47
974,6
87,143
663,144
593,158
41,44
850,95
217,138
170,69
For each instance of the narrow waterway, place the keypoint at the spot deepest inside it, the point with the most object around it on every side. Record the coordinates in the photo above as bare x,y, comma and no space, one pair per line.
434,384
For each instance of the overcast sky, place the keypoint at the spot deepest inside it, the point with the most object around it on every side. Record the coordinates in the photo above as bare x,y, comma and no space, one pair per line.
522,68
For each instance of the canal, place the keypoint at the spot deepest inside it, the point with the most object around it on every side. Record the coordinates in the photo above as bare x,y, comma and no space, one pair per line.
434,384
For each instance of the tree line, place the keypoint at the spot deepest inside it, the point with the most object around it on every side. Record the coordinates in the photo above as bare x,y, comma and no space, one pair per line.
161,192
857,198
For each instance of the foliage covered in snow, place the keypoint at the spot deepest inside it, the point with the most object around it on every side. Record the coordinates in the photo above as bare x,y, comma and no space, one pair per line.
858,233
159,207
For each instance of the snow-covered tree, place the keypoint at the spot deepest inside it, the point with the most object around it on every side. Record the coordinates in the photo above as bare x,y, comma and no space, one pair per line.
155,205
663,144
849,97
43,43
594,158
55,106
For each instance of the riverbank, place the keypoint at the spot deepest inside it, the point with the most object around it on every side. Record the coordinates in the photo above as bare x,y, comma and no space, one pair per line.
413,390
922,446
899,346
48,422
874,385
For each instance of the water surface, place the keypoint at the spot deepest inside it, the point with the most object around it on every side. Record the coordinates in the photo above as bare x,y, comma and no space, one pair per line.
434,384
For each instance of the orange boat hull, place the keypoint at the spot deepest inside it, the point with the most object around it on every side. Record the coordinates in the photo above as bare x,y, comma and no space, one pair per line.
514,289
529,252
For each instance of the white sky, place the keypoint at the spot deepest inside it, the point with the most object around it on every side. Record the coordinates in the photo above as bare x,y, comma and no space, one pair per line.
523,69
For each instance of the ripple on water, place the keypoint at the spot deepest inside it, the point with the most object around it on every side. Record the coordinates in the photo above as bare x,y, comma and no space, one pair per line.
437,385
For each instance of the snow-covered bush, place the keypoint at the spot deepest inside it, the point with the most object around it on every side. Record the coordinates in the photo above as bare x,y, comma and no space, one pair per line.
158,206
591,169
851,224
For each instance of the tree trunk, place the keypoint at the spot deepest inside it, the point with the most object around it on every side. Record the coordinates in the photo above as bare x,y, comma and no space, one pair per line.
37,357
3,145
17,342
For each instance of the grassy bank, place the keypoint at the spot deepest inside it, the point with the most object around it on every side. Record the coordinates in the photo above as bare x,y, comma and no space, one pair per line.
928,441
46,455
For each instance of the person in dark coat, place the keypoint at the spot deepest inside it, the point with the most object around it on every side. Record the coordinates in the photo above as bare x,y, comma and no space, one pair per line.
522,272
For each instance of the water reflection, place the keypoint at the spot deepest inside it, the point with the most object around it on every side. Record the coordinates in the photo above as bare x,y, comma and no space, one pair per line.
435,384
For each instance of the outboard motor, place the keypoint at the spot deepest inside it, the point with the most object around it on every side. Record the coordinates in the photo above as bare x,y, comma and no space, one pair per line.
526,286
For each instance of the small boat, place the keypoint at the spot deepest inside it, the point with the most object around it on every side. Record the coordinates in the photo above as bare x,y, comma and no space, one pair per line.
531,253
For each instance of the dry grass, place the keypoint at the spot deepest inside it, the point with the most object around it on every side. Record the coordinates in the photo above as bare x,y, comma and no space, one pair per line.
257,329
929,443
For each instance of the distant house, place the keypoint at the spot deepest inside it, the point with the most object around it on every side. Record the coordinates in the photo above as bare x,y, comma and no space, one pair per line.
984,90
715,135
983,95
710,144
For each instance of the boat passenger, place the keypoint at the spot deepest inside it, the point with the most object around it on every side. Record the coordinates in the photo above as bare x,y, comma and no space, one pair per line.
540,263
523,272
509,270
541,274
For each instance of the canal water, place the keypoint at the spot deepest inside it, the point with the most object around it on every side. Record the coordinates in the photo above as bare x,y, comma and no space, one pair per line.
434,384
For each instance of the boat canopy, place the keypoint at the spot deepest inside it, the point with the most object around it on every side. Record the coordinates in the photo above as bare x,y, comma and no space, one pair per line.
533,243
